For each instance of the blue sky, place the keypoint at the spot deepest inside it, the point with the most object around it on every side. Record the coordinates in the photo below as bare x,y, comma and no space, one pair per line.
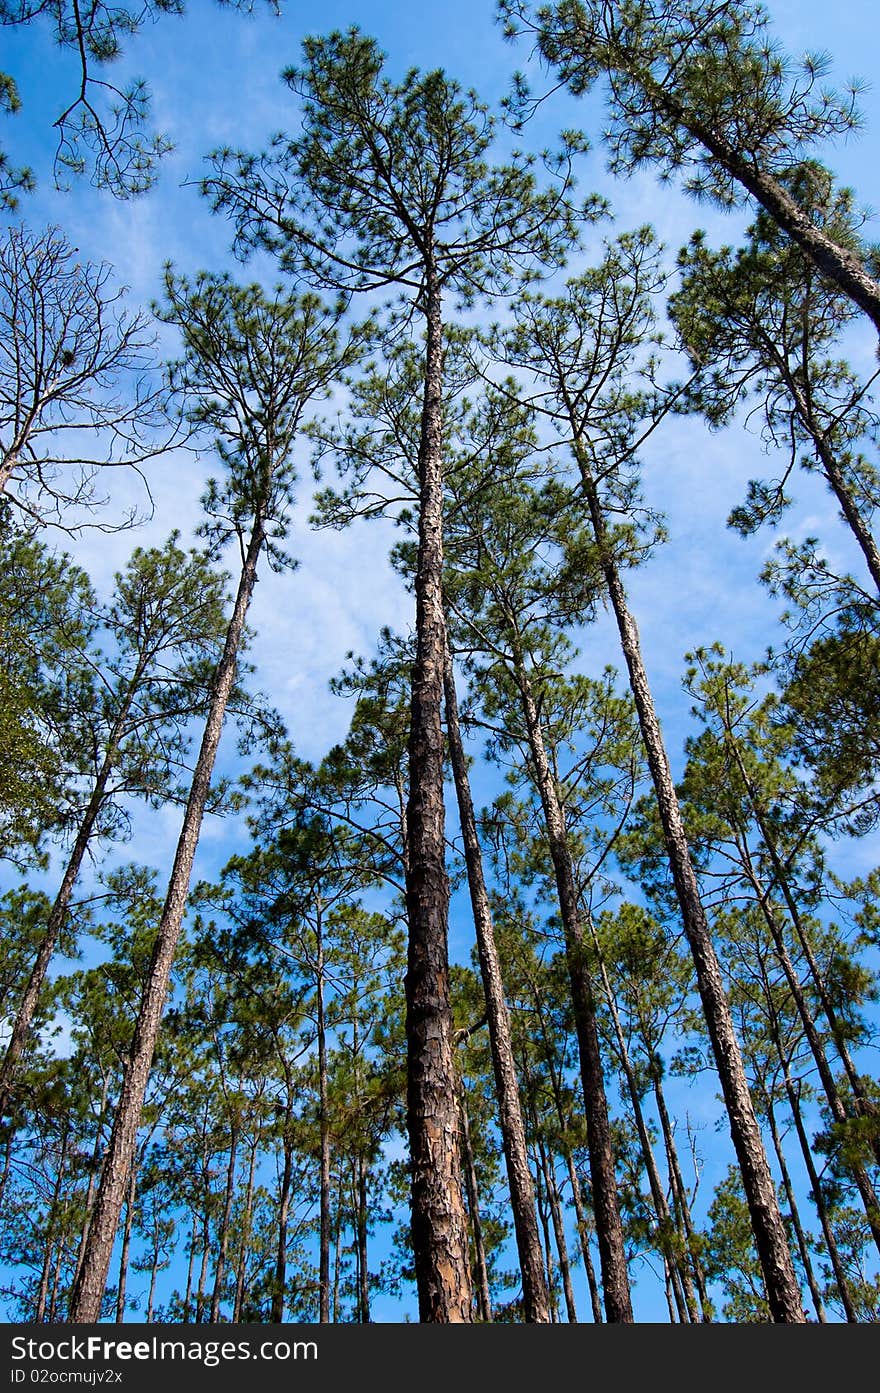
215,78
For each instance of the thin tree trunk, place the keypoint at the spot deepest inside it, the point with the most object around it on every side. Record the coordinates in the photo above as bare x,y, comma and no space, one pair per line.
43,1289
246,1222
363,1269
337,1251
555,1203
223,1234
679,1275
94,1169
865,1188
324,1125
281,1251
864,1105
439,1222
187,1299
679,1191
154,1267
583,1229
794,1215
609,1229
818,1197
27,1008
89,1285
783,1294
484,1302
544,1219
510,1119
126,1248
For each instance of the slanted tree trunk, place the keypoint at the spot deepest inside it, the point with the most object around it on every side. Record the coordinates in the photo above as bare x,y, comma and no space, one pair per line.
609,1229
794,1214
24,1016
678,1274
91,1280
126,1248
863,1104
439,1222
510,1119
865,1188
818,1198
583,1229
555,1203
783,1293
836,263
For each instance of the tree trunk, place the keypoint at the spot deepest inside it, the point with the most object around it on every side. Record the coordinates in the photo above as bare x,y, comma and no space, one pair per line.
439,1222
324,1124
794,1215
679,1275
865,1188
555,1203
363,1269
281,1251
223,1233
583,1228
783,1294
126,1248
246,1222
510,1119
484,1302
89,1286
187,1299
836,263
679,1192
818,1198
57,917
864,1105
609,1229
43,1289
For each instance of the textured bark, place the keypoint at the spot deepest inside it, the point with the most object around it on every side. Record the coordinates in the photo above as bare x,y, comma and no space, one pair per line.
92,1277
783,1294
609,1229
510,1119
439,1222
836,263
